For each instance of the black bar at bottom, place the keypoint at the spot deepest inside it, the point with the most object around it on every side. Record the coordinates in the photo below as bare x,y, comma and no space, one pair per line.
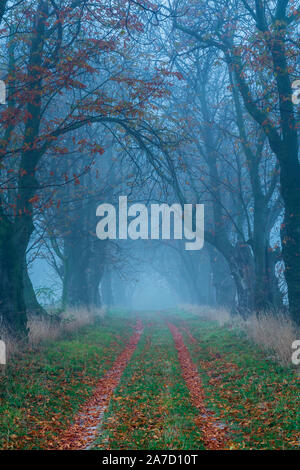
134,458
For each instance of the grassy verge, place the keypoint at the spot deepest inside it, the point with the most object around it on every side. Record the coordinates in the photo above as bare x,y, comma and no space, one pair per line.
151,407
45,387
258,398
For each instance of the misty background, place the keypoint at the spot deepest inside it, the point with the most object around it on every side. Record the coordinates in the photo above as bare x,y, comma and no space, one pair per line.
174,102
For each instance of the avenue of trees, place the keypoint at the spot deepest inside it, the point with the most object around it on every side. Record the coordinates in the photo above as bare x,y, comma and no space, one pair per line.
174,101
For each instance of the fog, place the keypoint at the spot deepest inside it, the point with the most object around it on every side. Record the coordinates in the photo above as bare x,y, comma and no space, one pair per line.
177,105
153,292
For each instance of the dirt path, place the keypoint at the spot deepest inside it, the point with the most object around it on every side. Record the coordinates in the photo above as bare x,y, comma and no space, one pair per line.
214,432
85,427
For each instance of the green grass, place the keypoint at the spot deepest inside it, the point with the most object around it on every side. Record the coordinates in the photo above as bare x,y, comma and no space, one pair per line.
43,389
258,398
151,408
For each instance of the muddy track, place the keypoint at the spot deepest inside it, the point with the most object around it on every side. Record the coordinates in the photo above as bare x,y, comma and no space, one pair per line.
84,430
213,431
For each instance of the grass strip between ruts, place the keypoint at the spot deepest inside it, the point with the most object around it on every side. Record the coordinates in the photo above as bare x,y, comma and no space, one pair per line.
151,408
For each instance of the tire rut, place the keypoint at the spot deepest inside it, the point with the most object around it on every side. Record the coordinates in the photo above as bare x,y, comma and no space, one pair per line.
214,432
84,430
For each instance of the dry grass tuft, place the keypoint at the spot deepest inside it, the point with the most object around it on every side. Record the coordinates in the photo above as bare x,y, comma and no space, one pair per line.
272,331
217,314
13,347
42,329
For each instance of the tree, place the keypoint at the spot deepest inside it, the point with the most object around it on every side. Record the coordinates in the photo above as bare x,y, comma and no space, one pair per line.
268,41
53,91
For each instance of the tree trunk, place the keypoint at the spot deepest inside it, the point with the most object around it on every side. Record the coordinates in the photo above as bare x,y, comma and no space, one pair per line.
12,303
32,305
83,271
242,270
290,236
14,236
259,250
284,143
106,289
224,286
75,287
275,296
